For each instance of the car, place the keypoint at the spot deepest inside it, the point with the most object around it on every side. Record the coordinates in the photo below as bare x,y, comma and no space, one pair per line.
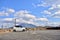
19,28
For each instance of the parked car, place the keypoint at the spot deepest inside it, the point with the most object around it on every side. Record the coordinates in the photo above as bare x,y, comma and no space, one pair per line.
19,28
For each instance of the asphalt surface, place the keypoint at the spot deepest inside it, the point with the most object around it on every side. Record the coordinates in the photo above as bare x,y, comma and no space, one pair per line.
32,35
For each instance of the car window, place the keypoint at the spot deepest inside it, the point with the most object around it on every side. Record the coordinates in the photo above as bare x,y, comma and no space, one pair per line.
18,26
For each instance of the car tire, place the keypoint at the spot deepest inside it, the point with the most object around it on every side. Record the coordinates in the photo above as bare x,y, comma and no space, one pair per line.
14,30
23,29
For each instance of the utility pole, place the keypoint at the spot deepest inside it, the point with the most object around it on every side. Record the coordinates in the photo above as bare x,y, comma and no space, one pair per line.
2,26
15,22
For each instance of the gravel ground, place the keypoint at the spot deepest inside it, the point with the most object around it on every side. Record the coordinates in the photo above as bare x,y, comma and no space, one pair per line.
32,35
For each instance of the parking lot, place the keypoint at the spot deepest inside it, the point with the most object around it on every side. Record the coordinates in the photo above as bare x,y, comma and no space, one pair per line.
32,35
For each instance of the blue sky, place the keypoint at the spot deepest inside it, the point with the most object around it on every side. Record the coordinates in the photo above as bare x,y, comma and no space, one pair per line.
22,5
37,12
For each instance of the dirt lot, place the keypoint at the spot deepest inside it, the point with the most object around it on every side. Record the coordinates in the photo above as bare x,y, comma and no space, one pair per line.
4,31
32,35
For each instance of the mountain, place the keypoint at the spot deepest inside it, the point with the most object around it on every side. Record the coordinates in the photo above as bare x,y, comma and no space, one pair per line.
27,25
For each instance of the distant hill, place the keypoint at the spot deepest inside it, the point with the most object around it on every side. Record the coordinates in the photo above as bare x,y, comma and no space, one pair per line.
27,25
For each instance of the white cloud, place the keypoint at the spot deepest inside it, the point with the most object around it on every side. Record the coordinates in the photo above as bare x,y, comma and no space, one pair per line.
23,14
52,1
58,5
54,6
46,12
21,20
47,3
29,16
7,19
54,24
43,19
6,12
26,17
56,14
43,4
10,10
54,9
3,13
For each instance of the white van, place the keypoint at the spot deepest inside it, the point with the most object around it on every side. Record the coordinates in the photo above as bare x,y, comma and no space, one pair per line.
19,28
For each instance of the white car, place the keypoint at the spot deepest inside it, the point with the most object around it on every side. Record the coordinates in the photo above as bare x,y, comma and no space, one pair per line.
19,28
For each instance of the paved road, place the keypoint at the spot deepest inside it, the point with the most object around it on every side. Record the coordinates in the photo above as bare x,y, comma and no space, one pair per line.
32,35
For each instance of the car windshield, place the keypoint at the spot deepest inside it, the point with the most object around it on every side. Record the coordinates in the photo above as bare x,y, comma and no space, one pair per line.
18,26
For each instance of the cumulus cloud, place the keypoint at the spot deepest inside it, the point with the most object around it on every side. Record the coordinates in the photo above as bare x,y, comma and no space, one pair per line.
24,16
53,24
47,3
58,5
6,22
29,16
8,19
56,14
52,1
54,6
10,10
46,12
43,4
6,12
3,13
43,19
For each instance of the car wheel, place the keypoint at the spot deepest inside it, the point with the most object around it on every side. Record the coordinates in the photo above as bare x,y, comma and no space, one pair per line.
14,30
23,29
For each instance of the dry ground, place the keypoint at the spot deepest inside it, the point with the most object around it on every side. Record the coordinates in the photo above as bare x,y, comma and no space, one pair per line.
32,35
3,31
